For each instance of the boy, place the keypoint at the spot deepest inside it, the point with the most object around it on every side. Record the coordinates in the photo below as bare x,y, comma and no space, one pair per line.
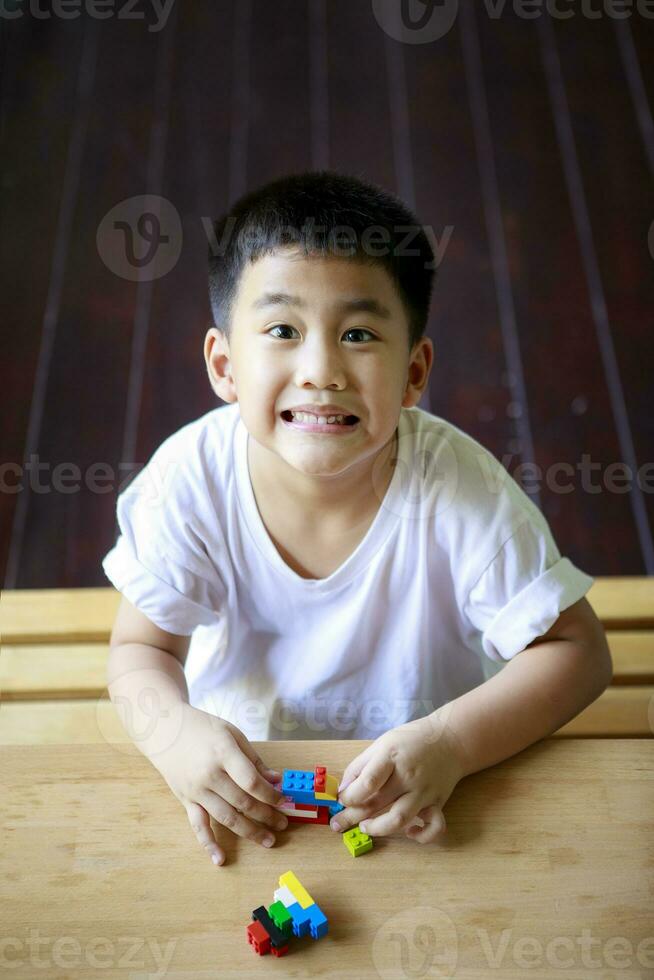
326,559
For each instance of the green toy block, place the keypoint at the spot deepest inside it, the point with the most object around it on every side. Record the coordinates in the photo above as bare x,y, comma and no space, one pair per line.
281,917
357,842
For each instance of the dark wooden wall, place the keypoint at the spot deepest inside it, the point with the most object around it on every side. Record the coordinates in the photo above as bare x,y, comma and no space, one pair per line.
532,140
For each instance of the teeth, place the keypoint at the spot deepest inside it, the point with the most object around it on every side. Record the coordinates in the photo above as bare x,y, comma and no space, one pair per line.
316,419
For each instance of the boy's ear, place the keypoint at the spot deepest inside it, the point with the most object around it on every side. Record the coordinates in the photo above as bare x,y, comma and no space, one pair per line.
219,365
420,363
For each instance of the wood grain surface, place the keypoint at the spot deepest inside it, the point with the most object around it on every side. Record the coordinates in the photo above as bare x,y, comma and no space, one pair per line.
546,870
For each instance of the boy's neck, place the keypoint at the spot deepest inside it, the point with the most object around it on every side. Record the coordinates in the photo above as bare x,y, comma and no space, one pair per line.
349,496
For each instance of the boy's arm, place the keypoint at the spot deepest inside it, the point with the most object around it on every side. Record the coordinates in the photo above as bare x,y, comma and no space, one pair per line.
540,689
145,678
410,772
208,763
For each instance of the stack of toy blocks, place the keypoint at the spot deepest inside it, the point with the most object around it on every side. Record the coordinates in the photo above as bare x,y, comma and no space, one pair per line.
293,913
309,797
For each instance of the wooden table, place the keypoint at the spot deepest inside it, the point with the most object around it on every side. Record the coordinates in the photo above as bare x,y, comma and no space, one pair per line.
547,871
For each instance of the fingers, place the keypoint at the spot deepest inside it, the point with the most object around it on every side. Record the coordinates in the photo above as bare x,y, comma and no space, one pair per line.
225,788
376,770
271,775
225,815
396,819
241,766
201,824
349,817
354,768
434,825
353,815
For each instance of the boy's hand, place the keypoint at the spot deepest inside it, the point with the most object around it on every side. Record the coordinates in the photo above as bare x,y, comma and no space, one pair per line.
401,782
213,771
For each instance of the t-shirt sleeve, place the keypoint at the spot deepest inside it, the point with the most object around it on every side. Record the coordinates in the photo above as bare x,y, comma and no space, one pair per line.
160,561
523,590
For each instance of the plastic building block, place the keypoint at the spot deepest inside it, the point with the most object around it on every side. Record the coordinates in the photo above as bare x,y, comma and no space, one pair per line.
285,896
281,917
301,920
296,887
304,812
334,808
329,790
321,816
318,921
277,937
311,814
357,842
298,783
320,772
294,818
258,938
292,807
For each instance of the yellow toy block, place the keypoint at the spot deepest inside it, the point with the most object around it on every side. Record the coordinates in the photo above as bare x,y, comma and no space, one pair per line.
289,881
357,842
331,789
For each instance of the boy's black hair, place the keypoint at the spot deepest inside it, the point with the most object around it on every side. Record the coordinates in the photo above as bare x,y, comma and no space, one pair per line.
323,212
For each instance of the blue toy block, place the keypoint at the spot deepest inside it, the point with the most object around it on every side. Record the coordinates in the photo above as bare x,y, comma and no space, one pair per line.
301,919
299,784
335,808
318,921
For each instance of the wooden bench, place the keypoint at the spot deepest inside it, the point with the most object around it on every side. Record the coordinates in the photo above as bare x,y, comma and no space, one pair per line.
55,644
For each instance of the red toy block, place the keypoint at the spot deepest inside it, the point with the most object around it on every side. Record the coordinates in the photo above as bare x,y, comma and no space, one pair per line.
319,815
293,818
278,950
307,806
319,777
259,939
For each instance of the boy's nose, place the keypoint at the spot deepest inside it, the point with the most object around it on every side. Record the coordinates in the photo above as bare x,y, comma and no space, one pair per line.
321,367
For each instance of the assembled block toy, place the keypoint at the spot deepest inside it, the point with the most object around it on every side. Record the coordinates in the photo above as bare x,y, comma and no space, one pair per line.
309,797
293,913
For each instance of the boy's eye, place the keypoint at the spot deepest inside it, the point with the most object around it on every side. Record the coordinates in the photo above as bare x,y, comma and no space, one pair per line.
280,326
352,330
360,330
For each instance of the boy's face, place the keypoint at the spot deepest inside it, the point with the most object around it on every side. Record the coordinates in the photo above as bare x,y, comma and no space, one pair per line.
310,350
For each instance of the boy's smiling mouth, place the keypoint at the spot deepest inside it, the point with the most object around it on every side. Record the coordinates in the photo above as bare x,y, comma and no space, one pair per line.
305,421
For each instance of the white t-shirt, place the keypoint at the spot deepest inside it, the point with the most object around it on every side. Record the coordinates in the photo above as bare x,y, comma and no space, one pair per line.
457,573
